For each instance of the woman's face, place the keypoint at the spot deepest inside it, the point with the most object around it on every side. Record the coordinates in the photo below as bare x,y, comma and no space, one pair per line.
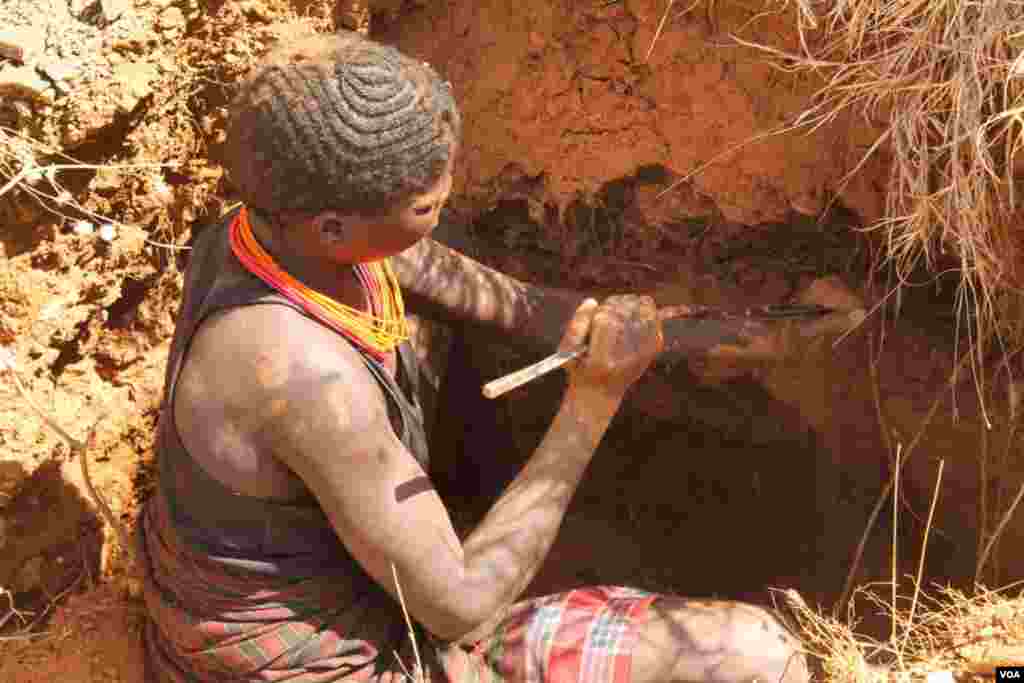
373,238
418,217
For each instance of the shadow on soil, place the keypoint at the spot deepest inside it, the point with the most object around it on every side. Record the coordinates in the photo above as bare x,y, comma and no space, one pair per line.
52,541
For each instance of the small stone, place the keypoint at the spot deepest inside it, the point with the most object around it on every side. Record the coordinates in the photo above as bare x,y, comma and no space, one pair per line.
107,179
62,88
84,228
136,82
22,44
24,82
60,71
84,117
172,19
162,192
108,233
133,39
61,74
52,310
12,473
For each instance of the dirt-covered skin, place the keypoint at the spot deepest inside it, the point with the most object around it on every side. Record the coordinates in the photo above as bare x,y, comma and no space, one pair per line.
562,100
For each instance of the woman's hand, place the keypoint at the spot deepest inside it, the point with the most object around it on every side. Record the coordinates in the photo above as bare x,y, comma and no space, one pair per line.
623,336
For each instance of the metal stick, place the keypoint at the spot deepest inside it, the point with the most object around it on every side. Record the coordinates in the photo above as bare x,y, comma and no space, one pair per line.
505,384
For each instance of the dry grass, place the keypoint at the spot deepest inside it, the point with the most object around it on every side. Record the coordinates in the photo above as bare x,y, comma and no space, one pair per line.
22,628
951,631
418,673
943,631
944,81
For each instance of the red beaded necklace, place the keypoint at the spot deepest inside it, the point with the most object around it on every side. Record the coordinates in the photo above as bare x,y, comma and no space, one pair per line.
377,333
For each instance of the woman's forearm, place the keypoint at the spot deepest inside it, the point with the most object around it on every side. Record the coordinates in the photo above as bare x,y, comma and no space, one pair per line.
442,283
504,552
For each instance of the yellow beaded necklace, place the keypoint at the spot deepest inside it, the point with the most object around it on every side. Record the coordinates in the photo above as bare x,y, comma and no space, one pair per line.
377,333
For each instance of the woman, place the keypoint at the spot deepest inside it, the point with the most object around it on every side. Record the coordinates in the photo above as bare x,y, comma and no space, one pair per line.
294,498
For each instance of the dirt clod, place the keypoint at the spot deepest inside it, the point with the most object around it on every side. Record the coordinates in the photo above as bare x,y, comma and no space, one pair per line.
24,82
12,476
21,44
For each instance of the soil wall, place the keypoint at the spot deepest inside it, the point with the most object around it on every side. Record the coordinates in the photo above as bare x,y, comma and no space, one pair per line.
718,477
578,117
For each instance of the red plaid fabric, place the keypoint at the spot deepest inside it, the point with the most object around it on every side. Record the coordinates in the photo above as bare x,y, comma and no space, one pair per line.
209,624
583,636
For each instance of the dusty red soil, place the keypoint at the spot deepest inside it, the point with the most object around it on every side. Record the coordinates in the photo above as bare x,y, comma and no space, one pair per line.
716,479
92,636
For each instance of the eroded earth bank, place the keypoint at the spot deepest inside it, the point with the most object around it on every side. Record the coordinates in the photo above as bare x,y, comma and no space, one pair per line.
609,146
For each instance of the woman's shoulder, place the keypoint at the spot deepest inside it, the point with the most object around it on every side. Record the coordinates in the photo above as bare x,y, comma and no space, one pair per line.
266,350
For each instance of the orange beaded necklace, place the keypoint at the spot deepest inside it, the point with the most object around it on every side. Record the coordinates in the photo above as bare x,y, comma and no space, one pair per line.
377,333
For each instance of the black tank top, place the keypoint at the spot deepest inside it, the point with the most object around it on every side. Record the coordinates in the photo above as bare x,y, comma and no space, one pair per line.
246,532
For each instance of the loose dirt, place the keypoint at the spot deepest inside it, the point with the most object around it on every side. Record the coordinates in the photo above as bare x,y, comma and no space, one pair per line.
718,478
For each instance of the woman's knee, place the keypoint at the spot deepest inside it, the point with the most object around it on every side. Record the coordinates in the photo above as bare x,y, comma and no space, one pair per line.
699,640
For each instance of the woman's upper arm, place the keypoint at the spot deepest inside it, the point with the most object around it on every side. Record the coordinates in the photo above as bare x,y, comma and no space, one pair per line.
294,390
331,428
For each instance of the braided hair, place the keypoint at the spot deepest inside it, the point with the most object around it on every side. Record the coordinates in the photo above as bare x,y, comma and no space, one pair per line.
339,123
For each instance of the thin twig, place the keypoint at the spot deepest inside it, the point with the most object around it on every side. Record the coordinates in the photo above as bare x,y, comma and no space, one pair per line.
50,171
27,633
421,676
12,610
657,32
780,130
883,427
895,536
877,510
1013,400
53,601
168,245
862,544
920,564
43,170
876,395
79,449
995,535
22,637
839,340
983,513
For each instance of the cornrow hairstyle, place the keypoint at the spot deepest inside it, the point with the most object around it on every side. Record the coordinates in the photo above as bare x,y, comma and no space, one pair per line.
339,123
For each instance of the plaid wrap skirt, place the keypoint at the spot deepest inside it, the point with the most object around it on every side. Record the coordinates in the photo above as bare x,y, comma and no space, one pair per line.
210,623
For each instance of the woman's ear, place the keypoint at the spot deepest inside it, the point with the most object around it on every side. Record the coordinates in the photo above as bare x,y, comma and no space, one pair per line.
331,226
